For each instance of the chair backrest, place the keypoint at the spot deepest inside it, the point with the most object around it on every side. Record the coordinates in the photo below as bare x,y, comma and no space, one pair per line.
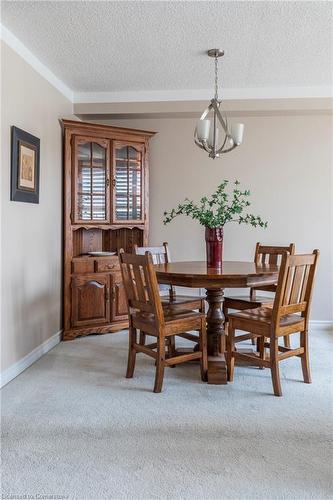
295,285
141,286
268,254
160,255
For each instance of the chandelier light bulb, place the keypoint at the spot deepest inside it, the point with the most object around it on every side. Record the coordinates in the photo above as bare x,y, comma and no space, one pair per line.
203,127
237,131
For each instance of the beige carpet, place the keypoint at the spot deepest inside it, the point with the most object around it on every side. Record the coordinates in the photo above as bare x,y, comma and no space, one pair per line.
73,427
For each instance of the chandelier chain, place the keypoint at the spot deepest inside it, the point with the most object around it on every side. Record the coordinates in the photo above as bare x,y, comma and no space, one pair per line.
216,78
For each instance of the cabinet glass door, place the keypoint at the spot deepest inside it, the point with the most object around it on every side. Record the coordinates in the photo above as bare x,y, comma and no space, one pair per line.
128,182
92,180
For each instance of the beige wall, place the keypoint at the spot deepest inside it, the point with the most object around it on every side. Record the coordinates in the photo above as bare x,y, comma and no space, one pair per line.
31,234
287,163
285,160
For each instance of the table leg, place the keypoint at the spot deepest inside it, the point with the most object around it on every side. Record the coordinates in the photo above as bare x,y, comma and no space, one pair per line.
217,369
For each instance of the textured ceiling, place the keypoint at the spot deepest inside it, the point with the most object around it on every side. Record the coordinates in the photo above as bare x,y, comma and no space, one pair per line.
128,46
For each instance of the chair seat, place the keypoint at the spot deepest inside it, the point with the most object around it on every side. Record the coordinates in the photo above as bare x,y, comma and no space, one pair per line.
237,301
263,316
181,299
183,320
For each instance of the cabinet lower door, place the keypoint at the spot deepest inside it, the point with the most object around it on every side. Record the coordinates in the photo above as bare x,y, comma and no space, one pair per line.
90,300
119,303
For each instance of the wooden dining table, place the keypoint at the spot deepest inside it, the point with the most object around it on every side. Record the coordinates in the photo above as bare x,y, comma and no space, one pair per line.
231,274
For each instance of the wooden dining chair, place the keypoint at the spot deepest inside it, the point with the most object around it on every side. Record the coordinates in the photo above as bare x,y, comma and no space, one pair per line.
147,315
161,255
172,301
290,314
263,255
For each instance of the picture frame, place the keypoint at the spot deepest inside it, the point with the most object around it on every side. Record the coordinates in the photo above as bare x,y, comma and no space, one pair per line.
25,165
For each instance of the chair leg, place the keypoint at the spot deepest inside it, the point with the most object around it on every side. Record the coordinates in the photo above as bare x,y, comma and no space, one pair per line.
261,349
131,352
305,357
142,339
160,363
203,349
286,341
171,348
274,353
230,354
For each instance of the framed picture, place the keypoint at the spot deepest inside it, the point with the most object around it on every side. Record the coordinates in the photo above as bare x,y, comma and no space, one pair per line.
24,166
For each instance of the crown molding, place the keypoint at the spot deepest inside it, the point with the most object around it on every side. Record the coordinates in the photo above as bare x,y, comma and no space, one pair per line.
14,43
193,109
203,94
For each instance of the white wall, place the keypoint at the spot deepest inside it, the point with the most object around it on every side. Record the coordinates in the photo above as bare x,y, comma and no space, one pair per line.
31,234
287,163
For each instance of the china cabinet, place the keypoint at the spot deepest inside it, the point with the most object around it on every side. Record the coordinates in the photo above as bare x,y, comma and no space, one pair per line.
105,209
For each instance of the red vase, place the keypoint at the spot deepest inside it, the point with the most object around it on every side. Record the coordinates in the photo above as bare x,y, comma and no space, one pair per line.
214,246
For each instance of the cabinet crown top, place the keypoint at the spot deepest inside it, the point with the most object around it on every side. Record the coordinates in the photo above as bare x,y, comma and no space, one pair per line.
85,126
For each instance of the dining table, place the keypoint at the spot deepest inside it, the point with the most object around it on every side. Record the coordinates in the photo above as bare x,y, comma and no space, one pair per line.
231,274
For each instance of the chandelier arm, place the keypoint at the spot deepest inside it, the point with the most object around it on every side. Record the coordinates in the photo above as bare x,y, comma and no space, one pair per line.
221,148
198,144
234,145
230,149
202,145
221,119
207,110
215,132
206,147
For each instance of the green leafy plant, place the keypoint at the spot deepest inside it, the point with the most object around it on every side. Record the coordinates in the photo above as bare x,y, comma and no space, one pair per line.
218,209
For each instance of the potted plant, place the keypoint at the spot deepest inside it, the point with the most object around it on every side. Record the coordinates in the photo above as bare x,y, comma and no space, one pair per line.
214,212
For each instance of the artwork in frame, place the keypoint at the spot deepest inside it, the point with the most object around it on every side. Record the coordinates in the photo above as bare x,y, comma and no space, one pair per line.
24,166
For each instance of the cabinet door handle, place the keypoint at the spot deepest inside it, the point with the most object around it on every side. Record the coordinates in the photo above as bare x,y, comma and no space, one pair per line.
107,182
114,182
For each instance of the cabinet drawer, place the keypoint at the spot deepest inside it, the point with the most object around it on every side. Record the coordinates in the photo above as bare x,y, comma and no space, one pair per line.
104,265
83,266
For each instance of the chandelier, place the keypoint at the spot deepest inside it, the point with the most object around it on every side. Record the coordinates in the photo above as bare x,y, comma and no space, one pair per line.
206,133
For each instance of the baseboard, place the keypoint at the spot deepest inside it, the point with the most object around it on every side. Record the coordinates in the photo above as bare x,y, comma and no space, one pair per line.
322,325
24,363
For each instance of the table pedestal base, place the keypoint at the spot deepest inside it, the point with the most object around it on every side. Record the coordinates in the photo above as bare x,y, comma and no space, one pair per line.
217,368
